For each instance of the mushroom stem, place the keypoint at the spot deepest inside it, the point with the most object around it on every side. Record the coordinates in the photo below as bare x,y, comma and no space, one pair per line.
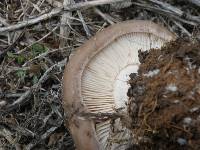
83,134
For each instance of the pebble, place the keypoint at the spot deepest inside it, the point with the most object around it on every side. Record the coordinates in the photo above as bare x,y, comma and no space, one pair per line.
187,120
171,87
182,141
176,101
152,73
2,103
194,109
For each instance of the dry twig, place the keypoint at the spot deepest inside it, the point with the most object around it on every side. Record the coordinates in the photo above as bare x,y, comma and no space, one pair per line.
196,2
20,101
192,20
57,11
65,24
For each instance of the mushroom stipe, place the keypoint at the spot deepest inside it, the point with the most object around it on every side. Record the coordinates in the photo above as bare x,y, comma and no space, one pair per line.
96,81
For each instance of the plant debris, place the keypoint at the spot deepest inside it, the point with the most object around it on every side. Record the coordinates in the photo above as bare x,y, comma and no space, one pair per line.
164,97
36,39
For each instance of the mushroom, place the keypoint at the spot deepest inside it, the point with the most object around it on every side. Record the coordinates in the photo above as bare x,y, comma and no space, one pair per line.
95,78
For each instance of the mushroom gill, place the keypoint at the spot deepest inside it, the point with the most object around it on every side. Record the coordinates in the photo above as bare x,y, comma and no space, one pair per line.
95,79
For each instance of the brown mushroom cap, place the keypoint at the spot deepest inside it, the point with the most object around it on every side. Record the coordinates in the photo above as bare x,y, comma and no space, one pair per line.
78,74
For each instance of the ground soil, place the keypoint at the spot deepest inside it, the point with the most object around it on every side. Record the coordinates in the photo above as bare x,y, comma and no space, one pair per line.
164,97
35,121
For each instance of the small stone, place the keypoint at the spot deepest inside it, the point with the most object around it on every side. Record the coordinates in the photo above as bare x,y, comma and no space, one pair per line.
181,141
171,87
152,73
176,101
194,109
187,120
2,103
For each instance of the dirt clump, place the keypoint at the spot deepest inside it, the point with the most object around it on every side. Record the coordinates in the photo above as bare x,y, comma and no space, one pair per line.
164,96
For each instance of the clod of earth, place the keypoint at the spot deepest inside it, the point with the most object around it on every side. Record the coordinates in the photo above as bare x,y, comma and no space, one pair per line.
164,97
96,81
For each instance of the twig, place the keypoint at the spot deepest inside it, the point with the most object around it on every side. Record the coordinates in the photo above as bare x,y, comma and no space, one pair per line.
47,118
165,12
57,11
180,128
46,74
7,134
37,6
104,16
182,28
19,52
3,53
167,24
89,4
54,3
19,129
4,21
43,137
65,24
48,133
42,55
20,100
24,98
13,95
176,11
84,24
121,5
196,2
30,22
167,7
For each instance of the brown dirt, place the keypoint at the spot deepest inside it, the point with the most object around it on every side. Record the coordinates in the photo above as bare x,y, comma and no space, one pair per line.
38,120
164,97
